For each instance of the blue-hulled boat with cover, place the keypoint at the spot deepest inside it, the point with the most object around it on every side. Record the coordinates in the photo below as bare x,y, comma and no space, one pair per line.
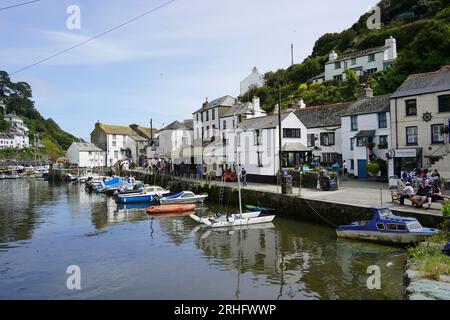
149,194
386,227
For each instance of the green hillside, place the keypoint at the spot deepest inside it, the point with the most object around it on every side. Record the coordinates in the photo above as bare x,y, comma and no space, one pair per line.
17,97
422,31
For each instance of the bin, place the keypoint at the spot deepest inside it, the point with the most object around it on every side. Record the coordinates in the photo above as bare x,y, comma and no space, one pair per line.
286,184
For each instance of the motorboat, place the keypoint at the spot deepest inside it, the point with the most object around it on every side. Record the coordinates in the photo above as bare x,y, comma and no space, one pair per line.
171,208
149,194
238,220
183,197
386,227
221,217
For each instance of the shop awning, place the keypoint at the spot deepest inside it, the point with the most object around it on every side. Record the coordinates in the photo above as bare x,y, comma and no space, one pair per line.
365,133
294,147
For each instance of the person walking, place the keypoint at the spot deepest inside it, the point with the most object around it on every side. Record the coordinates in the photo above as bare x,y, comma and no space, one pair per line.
344,169
244,177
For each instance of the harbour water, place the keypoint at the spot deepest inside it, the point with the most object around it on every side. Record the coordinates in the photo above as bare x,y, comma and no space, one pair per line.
123,253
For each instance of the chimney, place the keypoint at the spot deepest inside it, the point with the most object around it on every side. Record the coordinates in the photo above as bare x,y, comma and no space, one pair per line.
134,127
391,53
365,92
276,110
254,70
256,104
332,56
302,104
205,103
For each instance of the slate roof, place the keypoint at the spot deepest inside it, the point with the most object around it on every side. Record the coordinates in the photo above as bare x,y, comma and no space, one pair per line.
323,116
225,101
422,83
368,105
143,131
357,54
123,130
177,125
266,122
86,146
239,108
6,136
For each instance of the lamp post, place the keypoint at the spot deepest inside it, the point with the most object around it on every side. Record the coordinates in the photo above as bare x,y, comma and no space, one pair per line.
280,160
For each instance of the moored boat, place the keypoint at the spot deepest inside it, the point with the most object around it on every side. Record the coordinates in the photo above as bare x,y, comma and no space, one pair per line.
149,194
183,197
387,228
238,221
221,217
171,208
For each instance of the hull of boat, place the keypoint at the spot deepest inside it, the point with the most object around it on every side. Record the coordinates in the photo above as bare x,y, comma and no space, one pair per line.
197,199
246,215
171,208
385,237
136,198
239,222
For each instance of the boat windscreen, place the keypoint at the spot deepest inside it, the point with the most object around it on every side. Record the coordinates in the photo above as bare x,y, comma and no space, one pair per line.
385,212
414,226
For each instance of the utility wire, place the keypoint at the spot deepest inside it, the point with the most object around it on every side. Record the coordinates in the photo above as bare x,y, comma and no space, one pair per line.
93,38
18,5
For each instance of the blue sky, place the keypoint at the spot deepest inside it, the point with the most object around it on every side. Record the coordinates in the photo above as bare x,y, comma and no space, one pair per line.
162,66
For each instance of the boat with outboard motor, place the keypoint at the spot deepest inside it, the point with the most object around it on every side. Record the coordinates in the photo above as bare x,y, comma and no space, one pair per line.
183,197
148,194
386,227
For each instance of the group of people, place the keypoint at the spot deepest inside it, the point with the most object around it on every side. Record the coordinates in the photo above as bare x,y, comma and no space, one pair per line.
428,190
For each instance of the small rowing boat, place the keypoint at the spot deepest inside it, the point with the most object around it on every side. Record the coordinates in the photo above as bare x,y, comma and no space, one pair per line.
171,208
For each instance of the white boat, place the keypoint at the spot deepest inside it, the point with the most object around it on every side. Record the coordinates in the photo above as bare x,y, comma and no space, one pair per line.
148,194
219,218
238,221
183,197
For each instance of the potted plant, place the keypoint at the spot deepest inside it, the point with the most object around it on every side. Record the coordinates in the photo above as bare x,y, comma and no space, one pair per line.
373,169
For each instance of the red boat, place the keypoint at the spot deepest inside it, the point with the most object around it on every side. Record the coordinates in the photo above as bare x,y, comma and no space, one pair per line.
171,208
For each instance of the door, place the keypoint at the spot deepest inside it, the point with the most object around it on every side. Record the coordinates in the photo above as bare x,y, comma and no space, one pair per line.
362,169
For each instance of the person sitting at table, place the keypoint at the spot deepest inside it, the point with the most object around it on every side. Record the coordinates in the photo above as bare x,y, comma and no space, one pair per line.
408,193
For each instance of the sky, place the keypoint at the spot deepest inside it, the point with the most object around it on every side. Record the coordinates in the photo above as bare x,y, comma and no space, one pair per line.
162,66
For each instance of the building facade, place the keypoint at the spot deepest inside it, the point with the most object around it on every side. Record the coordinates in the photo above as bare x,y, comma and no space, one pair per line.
175,142
18,131
366,62
254,80
420,111
86,155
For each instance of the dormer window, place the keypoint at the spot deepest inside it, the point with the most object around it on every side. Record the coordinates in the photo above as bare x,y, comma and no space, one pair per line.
337,65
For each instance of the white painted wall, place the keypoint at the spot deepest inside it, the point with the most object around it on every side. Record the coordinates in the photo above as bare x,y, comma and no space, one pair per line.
254,79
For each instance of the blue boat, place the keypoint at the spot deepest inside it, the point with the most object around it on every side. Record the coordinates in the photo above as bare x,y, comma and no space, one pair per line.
386,227
149,194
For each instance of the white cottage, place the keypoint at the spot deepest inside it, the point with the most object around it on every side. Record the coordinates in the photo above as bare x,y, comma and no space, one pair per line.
86,155
254,80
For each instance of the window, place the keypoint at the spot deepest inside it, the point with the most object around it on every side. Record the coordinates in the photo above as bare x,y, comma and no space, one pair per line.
207,131
260,165
372,57
291,133
362,141
352,143
380,226
382,120
214,130
311,140
386,66
213,114
371,71
197,116
383,143
353,61
114,137
224,125
354,123
327,139
330,157
114,143
444,103
116,154
233,123
257,138
437,137
411,135
207,116
337,65
338,77
411,107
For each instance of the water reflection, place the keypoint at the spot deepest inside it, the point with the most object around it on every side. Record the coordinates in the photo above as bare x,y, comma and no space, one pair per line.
286,259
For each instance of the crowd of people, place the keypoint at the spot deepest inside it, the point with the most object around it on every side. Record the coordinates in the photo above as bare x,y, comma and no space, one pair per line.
421,187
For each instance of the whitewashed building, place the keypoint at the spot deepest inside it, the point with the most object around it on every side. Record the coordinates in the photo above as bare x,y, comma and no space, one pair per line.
323,131
420,111
365,133
6,141
365,62
254,80
86,155
175,142
19,131
254,145
118,142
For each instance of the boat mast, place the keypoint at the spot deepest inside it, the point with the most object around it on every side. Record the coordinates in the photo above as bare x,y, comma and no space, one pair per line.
238,166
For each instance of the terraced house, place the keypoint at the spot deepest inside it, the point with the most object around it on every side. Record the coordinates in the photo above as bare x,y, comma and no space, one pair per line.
420,110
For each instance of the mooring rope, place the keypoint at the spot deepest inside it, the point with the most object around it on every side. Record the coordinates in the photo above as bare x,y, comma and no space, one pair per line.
326,220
